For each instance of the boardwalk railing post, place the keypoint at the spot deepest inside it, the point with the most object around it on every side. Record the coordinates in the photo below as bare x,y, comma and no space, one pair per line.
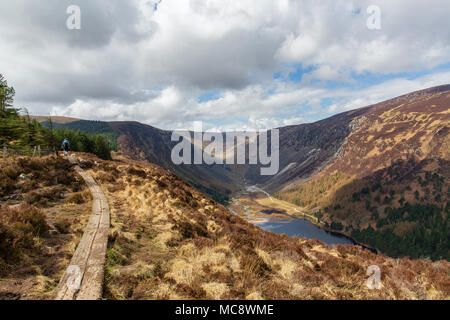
39,151
34,151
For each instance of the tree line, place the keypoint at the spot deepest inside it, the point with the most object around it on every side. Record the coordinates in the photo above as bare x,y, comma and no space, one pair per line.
19,131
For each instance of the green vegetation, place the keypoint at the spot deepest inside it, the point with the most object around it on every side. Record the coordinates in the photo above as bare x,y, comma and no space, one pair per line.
430,239
91,127
401,210
336,226
21,133
416,230
85,142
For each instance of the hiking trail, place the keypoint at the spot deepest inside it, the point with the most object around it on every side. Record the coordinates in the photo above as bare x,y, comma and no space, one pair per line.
83,279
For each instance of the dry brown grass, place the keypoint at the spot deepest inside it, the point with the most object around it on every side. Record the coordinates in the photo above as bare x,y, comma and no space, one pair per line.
42,218
168,241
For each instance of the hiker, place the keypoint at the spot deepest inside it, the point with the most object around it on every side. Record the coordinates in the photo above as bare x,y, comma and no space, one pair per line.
65,146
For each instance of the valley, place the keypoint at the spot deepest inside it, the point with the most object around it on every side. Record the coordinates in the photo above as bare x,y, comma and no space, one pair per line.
169,241
351,171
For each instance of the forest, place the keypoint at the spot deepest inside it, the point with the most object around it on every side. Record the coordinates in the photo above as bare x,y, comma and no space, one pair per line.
100,128
429,240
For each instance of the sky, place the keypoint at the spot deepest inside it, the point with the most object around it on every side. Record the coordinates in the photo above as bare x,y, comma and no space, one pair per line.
234,65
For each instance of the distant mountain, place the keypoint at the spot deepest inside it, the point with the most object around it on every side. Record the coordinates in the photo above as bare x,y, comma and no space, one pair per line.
334,143
55,119
357,142
143,142
303,150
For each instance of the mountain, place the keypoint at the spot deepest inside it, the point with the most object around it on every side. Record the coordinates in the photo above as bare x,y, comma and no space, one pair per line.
55,119
412,125
143,142
388,183
376,135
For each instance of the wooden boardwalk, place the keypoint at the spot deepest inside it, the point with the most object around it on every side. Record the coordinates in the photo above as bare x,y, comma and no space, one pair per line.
83,279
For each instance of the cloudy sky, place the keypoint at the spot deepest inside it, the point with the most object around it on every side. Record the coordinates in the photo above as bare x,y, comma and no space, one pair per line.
231,64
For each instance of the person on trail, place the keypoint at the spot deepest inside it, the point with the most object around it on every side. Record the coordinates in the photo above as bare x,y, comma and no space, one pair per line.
65,146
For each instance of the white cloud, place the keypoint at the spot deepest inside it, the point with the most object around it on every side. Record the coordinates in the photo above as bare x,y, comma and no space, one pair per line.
173,109
131,62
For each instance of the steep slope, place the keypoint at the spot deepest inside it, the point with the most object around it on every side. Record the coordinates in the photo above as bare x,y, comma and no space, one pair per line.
356,142
413,126
143,142
393,165
303,150
168,241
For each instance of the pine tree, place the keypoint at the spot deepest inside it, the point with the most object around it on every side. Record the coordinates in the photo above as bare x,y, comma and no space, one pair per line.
6,94
10,128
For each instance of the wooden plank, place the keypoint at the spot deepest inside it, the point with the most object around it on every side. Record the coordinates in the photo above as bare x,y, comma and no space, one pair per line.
87,265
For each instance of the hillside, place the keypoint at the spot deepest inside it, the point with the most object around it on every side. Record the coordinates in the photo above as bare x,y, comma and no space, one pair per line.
168,241
388,184
44,209
304,149
413,126
143,142
327,167
55,119
367,139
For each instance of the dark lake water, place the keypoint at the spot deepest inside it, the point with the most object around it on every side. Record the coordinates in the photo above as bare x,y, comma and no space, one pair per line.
302,229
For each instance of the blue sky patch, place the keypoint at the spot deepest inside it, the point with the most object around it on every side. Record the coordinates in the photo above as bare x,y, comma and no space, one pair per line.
209,95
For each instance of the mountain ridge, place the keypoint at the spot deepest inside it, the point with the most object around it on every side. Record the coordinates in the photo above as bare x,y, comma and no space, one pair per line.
305,149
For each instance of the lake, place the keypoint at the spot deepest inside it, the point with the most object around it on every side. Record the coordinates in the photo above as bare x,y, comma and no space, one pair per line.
302,229
279,221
